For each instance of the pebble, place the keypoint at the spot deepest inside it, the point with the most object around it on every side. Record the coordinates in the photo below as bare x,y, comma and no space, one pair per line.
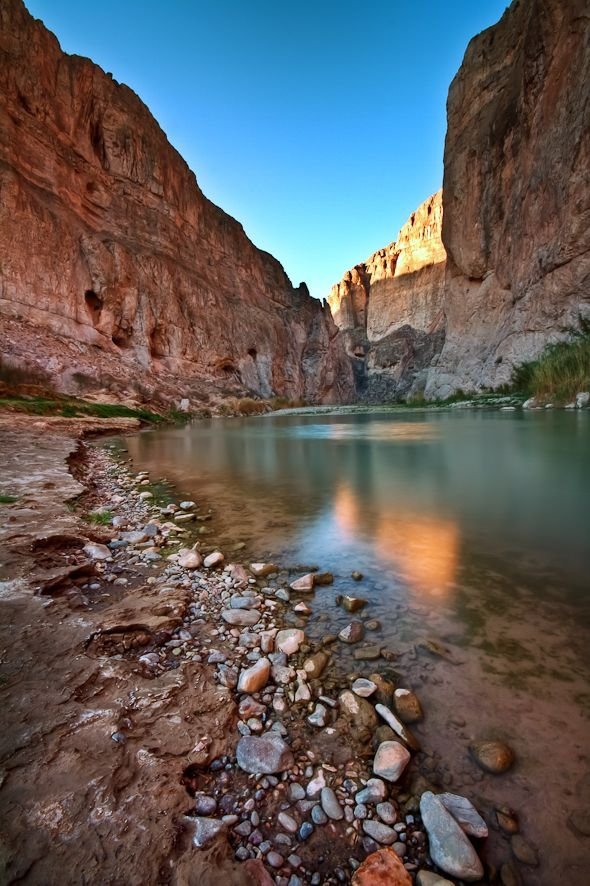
493,756
390,760
364,688
318,815
523,851
214,560
304,584
465,813
374,791
275,859
352,633
242,617
330,804
318,718
407,706
379,832
255,678
287,822
205,805
289,641
387,812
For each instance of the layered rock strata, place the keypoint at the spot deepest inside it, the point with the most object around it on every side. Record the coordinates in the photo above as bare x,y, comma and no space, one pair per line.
116,270
390,308
515,227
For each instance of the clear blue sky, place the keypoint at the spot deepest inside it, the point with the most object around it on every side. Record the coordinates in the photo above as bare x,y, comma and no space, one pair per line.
318,124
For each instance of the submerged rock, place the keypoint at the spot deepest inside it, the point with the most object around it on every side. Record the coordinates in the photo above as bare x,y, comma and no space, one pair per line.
352,633
264,754
407,706
449,847
364,688
305,584
493,756
261,570
465,813
351,604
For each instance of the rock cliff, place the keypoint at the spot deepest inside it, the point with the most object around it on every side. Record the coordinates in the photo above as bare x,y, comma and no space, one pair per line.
116,271
516,222
390,308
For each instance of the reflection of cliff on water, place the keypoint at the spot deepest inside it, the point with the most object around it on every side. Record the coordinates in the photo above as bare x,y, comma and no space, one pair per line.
501,482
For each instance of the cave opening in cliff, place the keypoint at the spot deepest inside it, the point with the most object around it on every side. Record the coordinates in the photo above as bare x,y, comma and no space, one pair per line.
94,304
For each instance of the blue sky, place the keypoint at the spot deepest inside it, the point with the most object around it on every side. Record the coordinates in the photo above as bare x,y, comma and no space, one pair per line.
319,125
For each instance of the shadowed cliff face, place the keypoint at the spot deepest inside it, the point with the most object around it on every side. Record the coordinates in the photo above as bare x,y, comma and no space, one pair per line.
516,193
114,264
516,223
390,308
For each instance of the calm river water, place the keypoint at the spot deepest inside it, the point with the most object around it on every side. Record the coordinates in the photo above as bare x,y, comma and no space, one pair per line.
471,528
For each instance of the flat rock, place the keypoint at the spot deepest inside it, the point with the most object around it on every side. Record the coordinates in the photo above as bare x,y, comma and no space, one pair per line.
367,653
206,830
305,584
382,868
390,760
265,754
237,601
407,706
449,847
398,727
241,617
289,640
352,633
261,570
255,678
465,814
493,756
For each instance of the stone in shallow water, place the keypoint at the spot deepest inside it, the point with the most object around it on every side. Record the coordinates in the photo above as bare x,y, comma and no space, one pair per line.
289,640
407,706
261,570
364,688
352,633
304,584
264,754
398,727
523,851
241,617
382,868
390,760
255,678
314,666
493,756
449,847
367,653
465,813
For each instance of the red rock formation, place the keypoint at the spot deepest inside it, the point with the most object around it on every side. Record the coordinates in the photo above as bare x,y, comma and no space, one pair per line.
115,267
516,193
389,308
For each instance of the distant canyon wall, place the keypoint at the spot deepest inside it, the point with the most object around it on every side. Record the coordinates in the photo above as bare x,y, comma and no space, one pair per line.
515,220
115,269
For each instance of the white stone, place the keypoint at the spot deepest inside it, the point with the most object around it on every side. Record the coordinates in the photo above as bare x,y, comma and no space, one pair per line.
364,688
97,551
214,559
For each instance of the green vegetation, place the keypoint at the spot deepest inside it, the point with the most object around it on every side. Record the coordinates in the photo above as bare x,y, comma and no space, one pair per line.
7,499
72,408
561,372
99,518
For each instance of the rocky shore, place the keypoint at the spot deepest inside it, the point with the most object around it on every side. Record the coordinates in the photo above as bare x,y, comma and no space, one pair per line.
171,689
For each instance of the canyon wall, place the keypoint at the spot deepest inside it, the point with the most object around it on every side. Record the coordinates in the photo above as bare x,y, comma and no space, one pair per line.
515,226
390,308
116,272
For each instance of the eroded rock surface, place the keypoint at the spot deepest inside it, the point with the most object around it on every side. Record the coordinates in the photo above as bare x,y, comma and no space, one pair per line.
117,270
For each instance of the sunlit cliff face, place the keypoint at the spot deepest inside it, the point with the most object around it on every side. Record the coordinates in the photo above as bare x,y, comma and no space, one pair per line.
423,549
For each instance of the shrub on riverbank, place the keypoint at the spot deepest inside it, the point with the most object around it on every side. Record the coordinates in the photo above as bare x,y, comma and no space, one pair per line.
561,372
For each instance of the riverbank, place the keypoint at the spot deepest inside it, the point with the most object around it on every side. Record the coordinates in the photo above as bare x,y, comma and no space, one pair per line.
168,665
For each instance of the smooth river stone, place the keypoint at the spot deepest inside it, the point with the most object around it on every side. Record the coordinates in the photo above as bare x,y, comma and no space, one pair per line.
213,560
190,560
255,678
240,602
493,756
449,847
314,666
289,640
241,617
465,814
407,706
206,830
390,760
379,832
382,868
352,633
96,551
304,584
261,570
265,754
364,688
330,804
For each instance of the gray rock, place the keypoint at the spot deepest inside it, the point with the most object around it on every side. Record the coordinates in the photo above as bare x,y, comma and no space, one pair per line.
379,832
205,805
296,792
241,617
318,718
374,791
264,754
318,815
287,822
429,878
449,847
330,804
387,812
465,813
239,602
206,830
364,688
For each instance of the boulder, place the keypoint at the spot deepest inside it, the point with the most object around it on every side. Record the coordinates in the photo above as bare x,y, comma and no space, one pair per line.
449,848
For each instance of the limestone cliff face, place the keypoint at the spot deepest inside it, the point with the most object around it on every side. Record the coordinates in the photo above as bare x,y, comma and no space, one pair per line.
390,308
516,193
114,266
516,222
